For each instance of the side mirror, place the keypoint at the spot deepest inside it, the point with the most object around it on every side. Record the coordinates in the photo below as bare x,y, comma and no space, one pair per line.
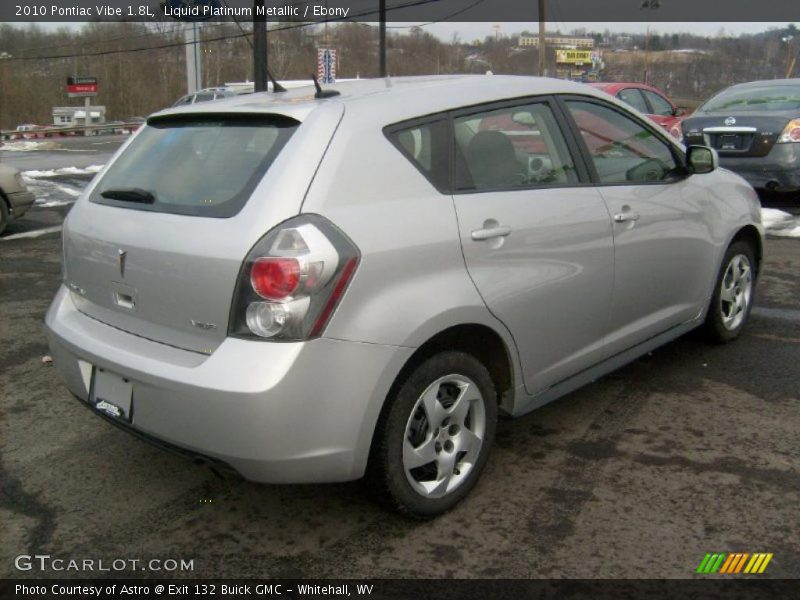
701,159
678,111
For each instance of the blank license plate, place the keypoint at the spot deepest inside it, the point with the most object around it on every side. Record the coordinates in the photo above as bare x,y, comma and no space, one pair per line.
730,142
111,394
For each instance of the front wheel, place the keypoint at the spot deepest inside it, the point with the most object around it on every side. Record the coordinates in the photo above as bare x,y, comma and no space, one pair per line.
435,435
734,294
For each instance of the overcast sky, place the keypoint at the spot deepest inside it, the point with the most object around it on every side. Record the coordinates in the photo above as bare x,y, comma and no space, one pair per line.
472,31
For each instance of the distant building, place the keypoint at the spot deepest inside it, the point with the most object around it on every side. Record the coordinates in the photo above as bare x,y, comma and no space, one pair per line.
557,41
75,116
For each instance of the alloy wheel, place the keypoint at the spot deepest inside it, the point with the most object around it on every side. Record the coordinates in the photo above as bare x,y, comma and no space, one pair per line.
444,436
736,292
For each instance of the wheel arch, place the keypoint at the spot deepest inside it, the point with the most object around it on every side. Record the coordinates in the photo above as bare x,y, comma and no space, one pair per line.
478,340
750,235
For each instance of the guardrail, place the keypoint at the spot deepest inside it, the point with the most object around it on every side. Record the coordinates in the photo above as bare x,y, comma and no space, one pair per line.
50,132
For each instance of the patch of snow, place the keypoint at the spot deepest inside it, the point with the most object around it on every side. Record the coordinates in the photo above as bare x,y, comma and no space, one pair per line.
90,170
793,232
28,146
31,234
780,223
64,189
53,203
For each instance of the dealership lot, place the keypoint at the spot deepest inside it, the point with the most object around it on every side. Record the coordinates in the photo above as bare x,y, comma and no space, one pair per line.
689,450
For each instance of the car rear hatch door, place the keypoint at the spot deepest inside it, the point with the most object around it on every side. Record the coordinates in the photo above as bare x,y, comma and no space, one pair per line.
750,134
156,245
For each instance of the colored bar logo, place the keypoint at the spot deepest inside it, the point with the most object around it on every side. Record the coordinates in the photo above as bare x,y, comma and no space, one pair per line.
734,563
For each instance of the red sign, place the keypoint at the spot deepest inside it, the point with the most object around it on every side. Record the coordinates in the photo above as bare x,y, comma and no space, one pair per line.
82,86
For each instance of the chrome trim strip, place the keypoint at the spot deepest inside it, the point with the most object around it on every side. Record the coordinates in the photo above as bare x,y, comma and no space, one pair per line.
730,130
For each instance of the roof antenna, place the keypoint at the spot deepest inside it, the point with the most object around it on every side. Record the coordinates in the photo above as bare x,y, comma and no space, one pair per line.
276,87
323,93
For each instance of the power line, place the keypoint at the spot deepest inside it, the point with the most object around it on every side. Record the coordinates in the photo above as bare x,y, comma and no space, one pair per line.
447,18
242,34
114,39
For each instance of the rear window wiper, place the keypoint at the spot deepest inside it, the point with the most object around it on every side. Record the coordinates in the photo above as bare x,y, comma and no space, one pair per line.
129,195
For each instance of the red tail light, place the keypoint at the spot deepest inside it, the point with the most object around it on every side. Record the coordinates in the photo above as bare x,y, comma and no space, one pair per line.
336,295
292,281
275,278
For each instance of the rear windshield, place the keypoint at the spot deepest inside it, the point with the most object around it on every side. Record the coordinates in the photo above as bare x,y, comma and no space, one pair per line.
205,166
769,97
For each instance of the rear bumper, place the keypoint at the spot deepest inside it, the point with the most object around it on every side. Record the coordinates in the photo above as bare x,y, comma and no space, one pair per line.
20,203
274,412
778,171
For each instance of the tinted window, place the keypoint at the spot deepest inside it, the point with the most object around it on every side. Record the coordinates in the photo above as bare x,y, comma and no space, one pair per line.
426,146
768,97
633,97
622,150
205,166
516,147
660,105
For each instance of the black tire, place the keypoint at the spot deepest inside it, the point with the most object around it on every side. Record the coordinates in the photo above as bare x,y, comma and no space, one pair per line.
386,474
4,216
714,327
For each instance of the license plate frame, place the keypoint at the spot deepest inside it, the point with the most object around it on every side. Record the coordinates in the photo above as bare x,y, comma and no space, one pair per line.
111,394
730,141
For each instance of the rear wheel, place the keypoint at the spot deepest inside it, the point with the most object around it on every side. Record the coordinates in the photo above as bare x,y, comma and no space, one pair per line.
734,294
434,439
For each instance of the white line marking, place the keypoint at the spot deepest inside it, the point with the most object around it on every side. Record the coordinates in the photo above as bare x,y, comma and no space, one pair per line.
31,234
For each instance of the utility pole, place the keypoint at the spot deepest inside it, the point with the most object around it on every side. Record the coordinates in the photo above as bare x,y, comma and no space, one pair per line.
194,76
542,41
259,46
789,63
652,5
382,17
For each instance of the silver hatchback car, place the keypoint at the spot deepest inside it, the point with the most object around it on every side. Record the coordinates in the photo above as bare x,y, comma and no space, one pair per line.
307,287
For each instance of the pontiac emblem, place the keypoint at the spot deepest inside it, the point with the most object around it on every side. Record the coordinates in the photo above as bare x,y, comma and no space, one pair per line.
122,256
730,121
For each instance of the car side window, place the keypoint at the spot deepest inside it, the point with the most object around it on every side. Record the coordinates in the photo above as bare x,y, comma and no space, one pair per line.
621,149
634,98
427,147
660,105
514,147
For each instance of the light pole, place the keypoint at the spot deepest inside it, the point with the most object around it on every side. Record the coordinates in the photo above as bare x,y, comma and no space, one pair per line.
259,46
4,56
542,40
789,66
651,5
382,39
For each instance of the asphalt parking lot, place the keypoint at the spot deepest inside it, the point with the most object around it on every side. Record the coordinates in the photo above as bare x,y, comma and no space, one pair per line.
692,449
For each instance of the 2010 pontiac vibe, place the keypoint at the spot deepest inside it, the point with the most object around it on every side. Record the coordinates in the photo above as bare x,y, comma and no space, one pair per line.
313,287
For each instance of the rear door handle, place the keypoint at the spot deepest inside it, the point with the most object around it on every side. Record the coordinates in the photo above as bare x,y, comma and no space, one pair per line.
623,217
488,233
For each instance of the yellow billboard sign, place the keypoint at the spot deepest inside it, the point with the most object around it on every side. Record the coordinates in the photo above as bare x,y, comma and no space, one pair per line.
574,57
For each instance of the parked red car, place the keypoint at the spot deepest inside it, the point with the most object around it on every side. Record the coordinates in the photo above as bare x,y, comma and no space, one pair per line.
648,100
